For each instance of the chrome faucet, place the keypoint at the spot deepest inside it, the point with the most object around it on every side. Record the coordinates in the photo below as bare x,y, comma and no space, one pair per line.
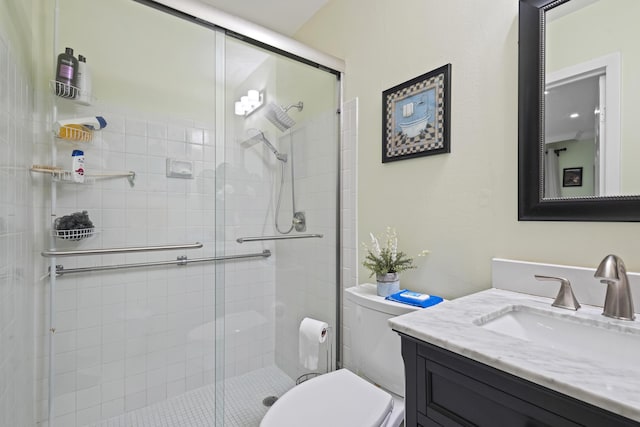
618,303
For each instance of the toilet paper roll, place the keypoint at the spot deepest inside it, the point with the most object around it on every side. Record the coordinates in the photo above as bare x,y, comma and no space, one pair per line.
312,333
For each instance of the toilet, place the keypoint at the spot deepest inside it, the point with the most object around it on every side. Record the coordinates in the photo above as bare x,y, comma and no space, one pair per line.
370,396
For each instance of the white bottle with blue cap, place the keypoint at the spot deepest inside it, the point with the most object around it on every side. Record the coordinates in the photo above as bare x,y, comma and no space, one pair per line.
77,165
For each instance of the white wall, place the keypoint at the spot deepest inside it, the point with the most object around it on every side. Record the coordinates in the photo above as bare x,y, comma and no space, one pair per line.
461,206
16,229
578,153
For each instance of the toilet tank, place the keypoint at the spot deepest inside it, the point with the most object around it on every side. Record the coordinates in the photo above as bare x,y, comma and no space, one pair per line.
375,347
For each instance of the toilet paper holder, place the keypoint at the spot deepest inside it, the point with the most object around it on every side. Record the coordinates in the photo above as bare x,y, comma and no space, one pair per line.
328,357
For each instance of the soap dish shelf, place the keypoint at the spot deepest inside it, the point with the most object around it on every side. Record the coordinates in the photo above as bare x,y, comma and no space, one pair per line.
75,235
72,93
63,90
66,176
68,133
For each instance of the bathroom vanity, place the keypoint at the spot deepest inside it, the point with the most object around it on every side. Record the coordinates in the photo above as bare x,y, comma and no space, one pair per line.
478,360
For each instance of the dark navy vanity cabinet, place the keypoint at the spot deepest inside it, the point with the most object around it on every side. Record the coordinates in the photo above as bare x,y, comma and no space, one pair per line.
446,389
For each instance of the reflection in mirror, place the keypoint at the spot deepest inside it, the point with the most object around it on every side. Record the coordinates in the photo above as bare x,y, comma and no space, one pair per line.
571,139
576,99
589,47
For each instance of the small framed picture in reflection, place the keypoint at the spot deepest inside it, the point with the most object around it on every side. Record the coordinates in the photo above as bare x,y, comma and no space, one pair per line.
572,177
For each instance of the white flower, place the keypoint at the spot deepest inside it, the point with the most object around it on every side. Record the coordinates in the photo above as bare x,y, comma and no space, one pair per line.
394,249
392,243
376,244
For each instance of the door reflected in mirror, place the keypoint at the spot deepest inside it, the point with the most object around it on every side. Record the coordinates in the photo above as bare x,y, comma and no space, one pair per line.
591,98
571,137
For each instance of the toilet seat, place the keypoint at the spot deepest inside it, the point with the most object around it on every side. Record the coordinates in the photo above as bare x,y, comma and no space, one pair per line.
337,399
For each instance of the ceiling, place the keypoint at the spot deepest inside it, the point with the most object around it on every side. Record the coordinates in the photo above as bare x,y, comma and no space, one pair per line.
569,110
283,16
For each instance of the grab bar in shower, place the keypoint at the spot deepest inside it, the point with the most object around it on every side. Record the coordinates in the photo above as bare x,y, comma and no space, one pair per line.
107,251
279,237
181,260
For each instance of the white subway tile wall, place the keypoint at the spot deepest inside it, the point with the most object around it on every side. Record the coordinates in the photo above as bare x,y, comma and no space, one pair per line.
247,182
16,242
349,215
128,338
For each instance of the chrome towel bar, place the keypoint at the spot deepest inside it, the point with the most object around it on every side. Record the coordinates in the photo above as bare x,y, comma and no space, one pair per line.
278,237
181,260
107,251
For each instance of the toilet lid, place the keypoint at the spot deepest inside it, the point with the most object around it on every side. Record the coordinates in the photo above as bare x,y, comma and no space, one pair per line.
337,399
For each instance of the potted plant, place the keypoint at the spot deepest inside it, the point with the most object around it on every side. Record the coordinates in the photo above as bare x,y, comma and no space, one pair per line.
386,263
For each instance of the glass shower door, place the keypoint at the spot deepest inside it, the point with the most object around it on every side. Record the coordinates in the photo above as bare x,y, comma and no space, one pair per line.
277,191
134,346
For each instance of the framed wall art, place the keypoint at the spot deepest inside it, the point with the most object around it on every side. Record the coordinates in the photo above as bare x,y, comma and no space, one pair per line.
415,116
572,177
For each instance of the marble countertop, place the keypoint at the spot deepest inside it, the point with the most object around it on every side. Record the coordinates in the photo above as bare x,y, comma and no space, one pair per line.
450,325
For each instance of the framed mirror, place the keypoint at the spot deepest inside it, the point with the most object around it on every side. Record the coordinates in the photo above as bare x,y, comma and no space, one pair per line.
578,89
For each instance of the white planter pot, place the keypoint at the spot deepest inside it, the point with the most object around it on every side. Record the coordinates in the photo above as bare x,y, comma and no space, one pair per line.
388,284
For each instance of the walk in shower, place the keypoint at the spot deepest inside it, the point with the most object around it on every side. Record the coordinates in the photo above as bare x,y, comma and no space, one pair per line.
215,143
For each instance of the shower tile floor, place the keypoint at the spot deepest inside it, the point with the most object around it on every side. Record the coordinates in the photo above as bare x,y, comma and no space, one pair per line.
195,408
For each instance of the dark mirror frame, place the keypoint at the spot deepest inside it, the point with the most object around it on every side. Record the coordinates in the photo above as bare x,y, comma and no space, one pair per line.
531,205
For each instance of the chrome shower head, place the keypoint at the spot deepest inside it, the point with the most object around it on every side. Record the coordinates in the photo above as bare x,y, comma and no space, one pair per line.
278,116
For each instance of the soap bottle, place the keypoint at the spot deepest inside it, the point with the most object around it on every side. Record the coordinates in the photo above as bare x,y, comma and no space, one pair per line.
84,82
66,74
77,165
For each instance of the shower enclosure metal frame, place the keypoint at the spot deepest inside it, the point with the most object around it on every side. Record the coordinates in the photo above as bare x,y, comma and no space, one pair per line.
249,33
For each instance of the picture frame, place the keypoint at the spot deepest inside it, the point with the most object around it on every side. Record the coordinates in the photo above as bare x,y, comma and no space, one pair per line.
416,116
572,177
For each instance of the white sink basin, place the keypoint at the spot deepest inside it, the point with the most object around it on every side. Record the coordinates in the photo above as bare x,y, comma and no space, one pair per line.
597,339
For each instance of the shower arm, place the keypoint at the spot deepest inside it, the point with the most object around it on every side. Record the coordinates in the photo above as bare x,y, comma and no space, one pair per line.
299,106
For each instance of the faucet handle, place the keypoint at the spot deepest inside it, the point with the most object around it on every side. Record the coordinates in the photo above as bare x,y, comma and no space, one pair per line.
566,298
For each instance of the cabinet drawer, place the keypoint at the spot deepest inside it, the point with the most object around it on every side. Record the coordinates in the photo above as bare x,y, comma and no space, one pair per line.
455,399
